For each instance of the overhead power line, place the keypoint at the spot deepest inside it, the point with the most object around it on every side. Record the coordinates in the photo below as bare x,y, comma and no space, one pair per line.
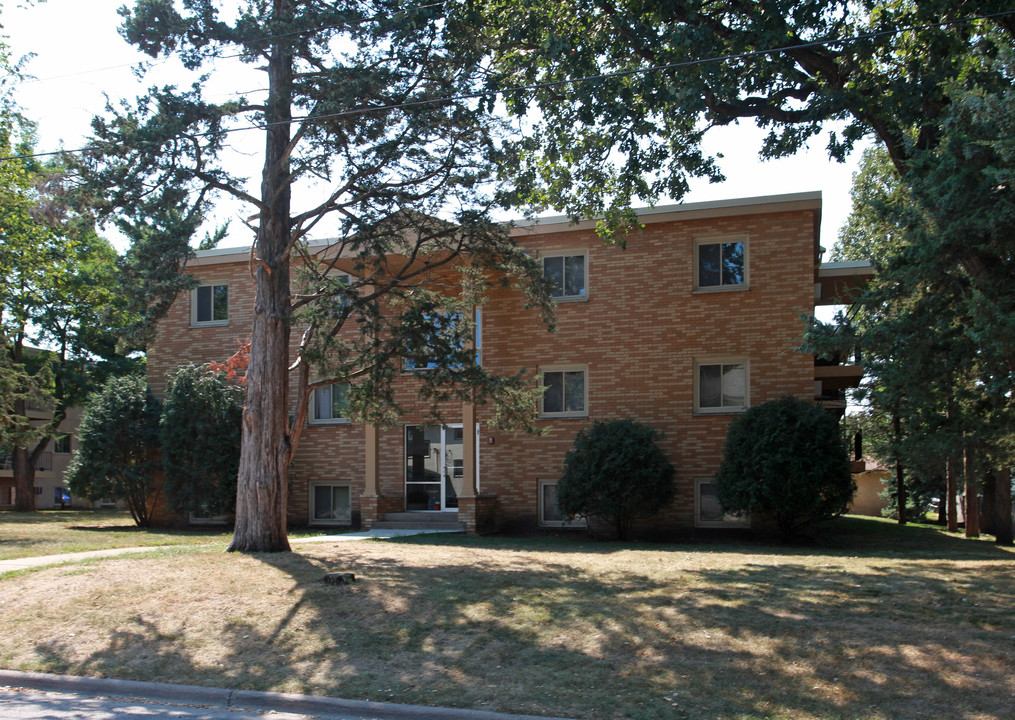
560,83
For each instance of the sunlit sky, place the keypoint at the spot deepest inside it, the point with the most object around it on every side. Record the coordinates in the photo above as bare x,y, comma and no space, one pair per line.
80,60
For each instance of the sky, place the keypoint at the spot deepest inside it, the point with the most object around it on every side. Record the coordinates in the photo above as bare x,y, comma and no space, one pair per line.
80,60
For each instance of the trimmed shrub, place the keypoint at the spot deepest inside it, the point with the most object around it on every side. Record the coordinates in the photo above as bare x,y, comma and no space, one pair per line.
786,459
117,447
616,473
200,437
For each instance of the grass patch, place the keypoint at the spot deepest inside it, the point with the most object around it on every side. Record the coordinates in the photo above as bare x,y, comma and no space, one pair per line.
52,532
871,621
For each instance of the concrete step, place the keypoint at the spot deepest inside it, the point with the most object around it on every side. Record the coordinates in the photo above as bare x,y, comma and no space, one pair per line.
409,525
425,516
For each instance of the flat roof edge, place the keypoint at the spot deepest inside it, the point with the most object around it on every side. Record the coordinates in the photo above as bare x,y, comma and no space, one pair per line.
559,223
810,200
846,268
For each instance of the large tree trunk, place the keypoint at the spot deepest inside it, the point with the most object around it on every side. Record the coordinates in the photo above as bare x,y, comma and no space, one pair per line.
262,485
24,480
1002,507
988,513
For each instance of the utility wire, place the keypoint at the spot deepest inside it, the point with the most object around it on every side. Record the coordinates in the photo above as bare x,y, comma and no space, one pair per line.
560,83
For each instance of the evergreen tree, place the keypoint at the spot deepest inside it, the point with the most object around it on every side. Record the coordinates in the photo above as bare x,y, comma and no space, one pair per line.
360,123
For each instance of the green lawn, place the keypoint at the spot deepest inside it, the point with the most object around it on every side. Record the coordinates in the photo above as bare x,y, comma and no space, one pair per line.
871,621
51,532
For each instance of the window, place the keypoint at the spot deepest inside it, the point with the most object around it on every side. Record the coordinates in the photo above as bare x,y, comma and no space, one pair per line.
439,335
567,273
62,444
565,392
707,510
549,514
210,304
720,264
330,504
721,386
330,403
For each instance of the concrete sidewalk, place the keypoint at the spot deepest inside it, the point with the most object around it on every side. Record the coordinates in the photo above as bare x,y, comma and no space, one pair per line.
44,560
191,695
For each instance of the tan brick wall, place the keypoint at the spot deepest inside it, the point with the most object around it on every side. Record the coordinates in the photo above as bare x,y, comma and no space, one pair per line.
639,333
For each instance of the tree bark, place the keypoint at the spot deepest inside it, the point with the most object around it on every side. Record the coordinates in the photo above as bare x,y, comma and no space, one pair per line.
900,483
262,485
1002,507
24,480
972,495
988,513
951,495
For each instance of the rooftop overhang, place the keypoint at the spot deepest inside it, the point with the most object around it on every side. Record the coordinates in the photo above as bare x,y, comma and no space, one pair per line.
840,283
838,377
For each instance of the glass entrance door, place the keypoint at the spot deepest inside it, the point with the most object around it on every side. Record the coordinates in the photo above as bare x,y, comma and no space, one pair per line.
433,467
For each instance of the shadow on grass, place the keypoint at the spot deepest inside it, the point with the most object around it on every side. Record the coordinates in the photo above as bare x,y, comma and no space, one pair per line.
927,635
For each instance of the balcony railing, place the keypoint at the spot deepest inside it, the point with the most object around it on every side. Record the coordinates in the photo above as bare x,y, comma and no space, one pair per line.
45,463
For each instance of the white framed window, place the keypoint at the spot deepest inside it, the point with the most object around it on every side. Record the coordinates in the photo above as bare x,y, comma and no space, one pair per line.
330,404
330,504
209,304
565,391
721,385
707,510
567,271
549,513
720,263
61,445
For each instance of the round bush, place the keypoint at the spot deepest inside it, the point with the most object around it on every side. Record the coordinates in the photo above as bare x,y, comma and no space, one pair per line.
786,459
617,473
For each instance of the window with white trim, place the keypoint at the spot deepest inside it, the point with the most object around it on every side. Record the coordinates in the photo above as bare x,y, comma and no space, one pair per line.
720,263
330,404
61,444
721,386
330,504
549,513
567,273
707,510
210,304
565,391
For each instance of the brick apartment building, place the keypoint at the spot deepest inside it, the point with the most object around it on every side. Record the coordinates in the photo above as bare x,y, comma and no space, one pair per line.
698,318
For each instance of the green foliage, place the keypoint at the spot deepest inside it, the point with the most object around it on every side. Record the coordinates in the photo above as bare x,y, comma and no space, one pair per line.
200,439
626,91
117,447
617,473
785,459
936,325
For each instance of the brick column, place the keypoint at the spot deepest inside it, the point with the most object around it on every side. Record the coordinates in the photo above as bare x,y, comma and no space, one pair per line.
371,501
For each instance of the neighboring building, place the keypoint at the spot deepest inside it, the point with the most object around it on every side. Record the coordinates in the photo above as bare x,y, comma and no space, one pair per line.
871,479
50,489
697,319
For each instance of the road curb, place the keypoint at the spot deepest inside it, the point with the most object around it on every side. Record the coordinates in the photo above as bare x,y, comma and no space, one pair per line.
246,699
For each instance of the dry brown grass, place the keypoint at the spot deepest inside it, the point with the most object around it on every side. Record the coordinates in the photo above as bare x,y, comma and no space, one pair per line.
876,623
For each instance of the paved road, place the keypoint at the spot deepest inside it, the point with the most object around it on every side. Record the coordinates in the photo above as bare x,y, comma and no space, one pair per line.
39,696
38,705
